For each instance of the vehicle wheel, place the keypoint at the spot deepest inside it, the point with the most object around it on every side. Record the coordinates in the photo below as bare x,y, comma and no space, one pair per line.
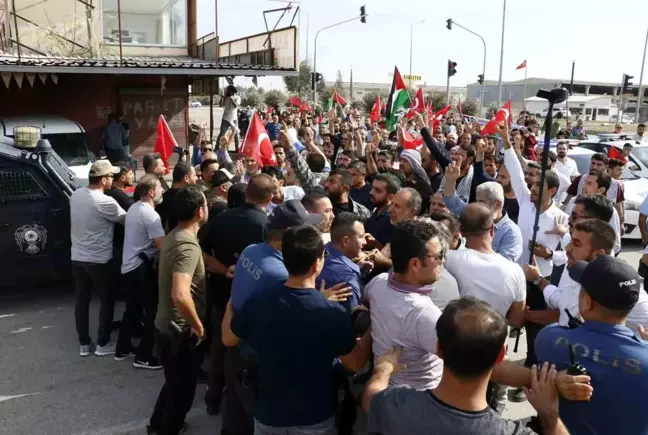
538,115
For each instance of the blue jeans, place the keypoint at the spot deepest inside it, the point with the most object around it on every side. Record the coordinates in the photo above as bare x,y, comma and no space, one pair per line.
327,427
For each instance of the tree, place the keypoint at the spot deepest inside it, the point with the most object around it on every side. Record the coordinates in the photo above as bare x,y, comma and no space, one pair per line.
275,98
356,104
301,84
369,99
252,97
438,100
339,84
470,107
324,94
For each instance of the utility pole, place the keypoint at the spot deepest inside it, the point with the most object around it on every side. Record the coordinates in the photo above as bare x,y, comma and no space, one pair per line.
571,90
481,90
499,97
448,87
640,94
351,84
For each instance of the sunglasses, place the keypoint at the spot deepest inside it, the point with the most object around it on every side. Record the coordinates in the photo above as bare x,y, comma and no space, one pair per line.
439,256
206,150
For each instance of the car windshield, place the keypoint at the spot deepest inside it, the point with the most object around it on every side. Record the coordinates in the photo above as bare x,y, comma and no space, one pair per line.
71,147
641,154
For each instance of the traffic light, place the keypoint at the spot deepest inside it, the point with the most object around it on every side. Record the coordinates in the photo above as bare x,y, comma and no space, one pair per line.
626,84
452,68
449,25
316,78
363,14
480,79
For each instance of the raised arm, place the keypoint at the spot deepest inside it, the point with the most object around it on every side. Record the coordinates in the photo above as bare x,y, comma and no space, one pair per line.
450,197
522,193
441,155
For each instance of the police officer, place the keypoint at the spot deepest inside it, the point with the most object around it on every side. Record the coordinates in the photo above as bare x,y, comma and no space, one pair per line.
224,239
614,357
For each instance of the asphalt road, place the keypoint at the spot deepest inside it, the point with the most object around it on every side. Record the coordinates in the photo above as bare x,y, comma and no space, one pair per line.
47,389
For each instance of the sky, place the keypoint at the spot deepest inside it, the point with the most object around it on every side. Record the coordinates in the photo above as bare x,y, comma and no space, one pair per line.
605,39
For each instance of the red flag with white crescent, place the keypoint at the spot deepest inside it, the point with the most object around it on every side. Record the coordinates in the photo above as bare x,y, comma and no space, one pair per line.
502,115
375,111
257,144
410,143
418,105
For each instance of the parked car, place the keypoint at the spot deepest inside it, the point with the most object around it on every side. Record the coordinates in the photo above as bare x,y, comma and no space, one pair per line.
625,119
638,159
195,104
68,139
557,112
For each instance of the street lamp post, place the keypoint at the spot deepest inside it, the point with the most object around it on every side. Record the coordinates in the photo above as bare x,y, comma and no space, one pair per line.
307,29
411,46
315,51
481,90
639,94
499,96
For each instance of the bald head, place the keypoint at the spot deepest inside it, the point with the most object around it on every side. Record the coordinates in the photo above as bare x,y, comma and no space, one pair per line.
476,220
260,189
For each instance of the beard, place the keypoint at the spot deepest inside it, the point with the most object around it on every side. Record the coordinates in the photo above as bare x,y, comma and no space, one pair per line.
335,197
562,155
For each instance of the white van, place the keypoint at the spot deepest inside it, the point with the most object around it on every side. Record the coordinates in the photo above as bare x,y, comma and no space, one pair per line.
68,139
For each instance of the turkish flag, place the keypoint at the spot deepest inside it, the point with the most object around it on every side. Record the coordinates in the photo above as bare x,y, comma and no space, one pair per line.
257,144
439,115
303,107
164,142
418,105
522,65
269,110
375,110
430,111
614,153
295,101
409,143
502,115
411,113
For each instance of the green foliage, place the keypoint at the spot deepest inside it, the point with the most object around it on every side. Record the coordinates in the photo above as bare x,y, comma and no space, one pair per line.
301,84
275,98
253,97
369,98
470,107
356,104
339,85
438,99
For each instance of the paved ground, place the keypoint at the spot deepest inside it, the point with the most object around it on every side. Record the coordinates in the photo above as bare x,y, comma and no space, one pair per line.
47,389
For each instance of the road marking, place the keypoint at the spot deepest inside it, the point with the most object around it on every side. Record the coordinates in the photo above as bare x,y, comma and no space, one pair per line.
2,316
17,331
5,398
46,327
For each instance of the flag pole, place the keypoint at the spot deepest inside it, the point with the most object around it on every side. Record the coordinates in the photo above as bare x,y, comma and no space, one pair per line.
526,69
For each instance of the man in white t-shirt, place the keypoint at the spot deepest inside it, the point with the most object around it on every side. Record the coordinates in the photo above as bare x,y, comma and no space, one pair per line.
143,237
402,313
481,272
565,165
93,216
230,102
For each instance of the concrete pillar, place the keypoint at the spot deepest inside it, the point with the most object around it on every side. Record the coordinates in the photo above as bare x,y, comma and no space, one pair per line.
587,89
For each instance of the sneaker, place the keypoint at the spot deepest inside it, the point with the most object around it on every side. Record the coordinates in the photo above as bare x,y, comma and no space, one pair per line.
123,356
108,349
86,349
151,364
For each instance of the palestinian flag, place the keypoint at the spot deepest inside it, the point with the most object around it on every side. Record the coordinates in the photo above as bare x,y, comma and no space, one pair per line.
398,97
338,101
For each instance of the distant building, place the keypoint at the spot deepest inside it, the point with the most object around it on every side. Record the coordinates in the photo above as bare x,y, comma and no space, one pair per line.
514,91
588,107
360,89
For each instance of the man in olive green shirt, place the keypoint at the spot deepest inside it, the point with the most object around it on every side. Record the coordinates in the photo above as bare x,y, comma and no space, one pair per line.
182,299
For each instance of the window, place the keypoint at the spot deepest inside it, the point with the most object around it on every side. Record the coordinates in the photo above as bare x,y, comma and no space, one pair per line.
604,112
588,111
18,185
146,22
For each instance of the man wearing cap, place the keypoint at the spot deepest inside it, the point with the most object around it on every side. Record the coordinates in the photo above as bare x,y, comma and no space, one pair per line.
221,181
92,218
613,355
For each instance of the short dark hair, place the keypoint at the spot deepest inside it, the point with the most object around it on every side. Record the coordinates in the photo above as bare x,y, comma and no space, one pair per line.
408,241
273,171
92,180
124,167
301,246
186,203
470,335
342,225
148,160
260,187
350,153
229,166
476,219
454,226
615,163
553,156
145,185
181,170
534,165
391,181
277,145
602,180
602,233
552,180
316,162
642,125
360,166
596,206
386,154
601,158
203,166
345,176
311,197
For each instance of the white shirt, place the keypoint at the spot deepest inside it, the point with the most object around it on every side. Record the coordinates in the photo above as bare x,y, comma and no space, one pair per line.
640,139
142,225
568,168
565,182
290,192
526,218
93,216
407,319
487,277
565,296
230,111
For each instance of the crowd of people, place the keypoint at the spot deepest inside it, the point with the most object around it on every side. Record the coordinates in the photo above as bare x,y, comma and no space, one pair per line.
362,260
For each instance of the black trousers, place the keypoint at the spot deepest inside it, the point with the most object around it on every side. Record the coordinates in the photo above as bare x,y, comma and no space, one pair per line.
535,301
141,305
216,381
181,364
240,381
344,403
224,126
89,277
116,155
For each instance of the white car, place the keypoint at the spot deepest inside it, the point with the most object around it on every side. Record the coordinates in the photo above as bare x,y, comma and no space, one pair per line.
625,119
195,104
557,112
638,159
68,139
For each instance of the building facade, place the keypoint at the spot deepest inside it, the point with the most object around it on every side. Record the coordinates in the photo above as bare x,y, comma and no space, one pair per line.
360,89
